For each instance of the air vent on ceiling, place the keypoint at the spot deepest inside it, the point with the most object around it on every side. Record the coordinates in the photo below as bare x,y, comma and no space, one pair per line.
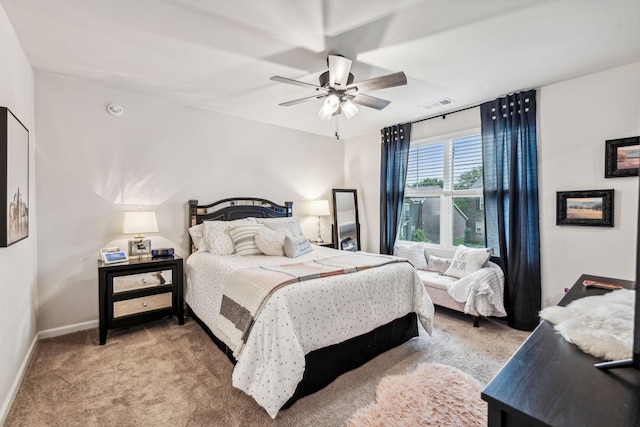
437,104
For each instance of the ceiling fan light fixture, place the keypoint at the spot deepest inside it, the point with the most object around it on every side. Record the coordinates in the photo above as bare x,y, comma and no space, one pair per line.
349,108
330,106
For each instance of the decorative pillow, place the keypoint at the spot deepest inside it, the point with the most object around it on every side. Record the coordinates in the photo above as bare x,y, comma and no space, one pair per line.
216,234
197,236
271,242
288,223
438,264
415,255
243,237
294,247
467,260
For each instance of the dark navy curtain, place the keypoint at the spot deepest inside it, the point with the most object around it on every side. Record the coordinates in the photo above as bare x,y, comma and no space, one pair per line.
393,174
511,201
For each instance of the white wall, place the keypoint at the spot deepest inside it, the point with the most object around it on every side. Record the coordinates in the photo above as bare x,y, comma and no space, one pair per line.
575,117
18,262
93,166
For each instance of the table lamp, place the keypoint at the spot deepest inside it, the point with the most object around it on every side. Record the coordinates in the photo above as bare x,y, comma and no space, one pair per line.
138,223
319,208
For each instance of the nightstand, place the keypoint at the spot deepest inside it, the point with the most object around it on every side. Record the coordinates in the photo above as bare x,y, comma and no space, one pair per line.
138,291
326,245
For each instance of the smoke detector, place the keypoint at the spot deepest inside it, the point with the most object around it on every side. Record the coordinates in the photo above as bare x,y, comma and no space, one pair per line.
115,110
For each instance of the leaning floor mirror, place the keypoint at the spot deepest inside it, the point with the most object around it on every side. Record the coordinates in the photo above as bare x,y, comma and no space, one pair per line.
346,226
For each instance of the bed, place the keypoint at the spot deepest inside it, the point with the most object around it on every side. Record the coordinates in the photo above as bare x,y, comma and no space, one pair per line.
307,333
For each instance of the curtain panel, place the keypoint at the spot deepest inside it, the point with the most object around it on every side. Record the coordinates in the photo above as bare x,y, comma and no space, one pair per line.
393,174
509,151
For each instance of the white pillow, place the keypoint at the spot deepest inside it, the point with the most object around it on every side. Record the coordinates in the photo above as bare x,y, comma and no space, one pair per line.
294,247
197,236
271,242
467,260
216,234
415,255
288,223
244,240
438,264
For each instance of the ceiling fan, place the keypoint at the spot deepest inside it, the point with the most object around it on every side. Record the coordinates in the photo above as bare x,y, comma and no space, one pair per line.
339,91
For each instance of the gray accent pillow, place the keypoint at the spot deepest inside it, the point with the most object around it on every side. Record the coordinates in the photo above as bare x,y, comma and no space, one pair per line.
438,264
294,246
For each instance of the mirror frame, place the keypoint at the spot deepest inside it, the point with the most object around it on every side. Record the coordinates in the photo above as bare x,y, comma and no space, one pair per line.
336,237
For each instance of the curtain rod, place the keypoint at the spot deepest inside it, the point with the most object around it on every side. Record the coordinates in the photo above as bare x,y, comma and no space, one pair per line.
443,115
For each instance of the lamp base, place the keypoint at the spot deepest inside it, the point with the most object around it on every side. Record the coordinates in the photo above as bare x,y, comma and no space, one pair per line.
319,240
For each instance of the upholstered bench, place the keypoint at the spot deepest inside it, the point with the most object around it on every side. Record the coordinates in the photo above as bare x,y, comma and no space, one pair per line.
464,280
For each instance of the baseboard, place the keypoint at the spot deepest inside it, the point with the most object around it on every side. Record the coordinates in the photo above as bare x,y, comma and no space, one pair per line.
63,330
6,405
49,333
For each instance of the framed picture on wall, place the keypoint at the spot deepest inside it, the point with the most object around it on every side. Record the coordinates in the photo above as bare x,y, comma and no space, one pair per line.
591,208
14,179
622,157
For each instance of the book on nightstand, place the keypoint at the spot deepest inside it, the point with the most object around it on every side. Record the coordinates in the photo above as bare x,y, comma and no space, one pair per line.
601,285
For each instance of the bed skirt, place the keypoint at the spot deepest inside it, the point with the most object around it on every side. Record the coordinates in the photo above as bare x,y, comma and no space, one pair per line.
324,365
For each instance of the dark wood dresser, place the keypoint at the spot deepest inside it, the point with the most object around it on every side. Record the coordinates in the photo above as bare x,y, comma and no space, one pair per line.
550,382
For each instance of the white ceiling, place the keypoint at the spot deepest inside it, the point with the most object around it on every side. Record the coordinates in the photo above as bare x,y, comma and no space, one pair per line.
218,55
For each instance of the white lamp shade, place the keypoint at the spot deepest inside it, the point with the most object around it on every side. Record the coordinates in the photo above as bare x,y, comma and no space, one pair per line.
140,222
319,207
349,108
330,106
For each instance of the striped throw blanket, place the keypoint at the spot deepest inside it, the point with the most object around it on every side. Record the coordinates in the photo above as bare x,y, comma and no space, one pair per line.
247,290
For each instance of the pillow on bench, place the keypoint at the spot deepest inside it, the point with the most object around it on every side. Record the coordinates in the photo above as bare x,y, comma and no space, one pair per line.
415,255
467,260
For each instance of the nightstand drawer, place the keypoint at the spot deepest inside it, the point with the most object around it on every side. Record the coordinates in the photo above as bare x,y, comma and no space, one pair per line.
142,304
142,280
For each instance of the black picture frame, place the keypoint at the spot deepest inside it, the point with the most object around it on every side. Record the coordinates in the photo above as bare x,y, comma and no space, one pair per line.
622,157
14,179
590,208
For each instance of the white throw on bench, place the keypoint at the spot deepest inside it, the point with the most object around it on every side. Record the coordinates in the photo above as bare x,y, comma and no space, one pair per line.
464,281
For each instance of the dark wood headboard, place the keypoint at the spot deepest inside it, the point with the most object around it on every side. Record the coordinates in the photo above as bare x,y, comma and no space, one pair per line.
235,208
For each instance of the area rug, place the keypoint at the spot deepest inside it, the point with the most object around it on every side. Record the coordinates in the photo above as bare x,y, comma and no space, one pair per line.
431,395
600,325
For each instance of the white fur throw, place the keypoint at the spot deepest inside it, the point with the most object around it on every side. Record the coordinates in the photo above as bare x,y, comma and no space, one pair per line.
599,325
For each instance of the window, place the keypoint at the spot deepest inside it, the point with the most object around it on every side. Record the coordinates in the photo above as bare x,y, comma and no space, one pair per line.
443,202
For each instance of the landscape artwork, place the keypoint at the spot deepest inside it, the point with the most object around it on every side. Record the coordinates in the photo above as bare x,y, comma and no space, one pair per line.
14,174
594,207
584,208
628,157
622,157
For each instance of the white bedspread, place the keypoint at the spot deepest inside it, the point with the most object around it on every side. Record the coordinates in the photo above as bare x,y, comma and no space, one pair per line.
482,291
303,317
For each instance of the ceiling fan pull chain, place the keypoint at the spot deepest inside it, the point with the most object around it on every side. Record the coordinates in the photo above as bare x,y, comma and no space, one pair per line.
337,128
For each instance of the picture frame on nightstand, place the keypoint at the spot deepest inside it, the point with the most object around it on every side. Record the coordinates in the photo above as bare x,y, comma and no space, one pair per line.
140,247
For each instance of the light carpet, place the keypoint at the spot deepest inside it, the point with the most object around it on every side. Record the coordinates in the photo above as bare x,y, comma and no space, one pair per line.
162,374
432,395
600,325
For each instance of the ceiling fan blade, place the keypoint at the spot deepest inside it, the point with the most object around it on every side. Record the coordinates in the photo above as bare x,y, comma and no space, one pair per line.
339,68
301,100
296,83
382,82
369,101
